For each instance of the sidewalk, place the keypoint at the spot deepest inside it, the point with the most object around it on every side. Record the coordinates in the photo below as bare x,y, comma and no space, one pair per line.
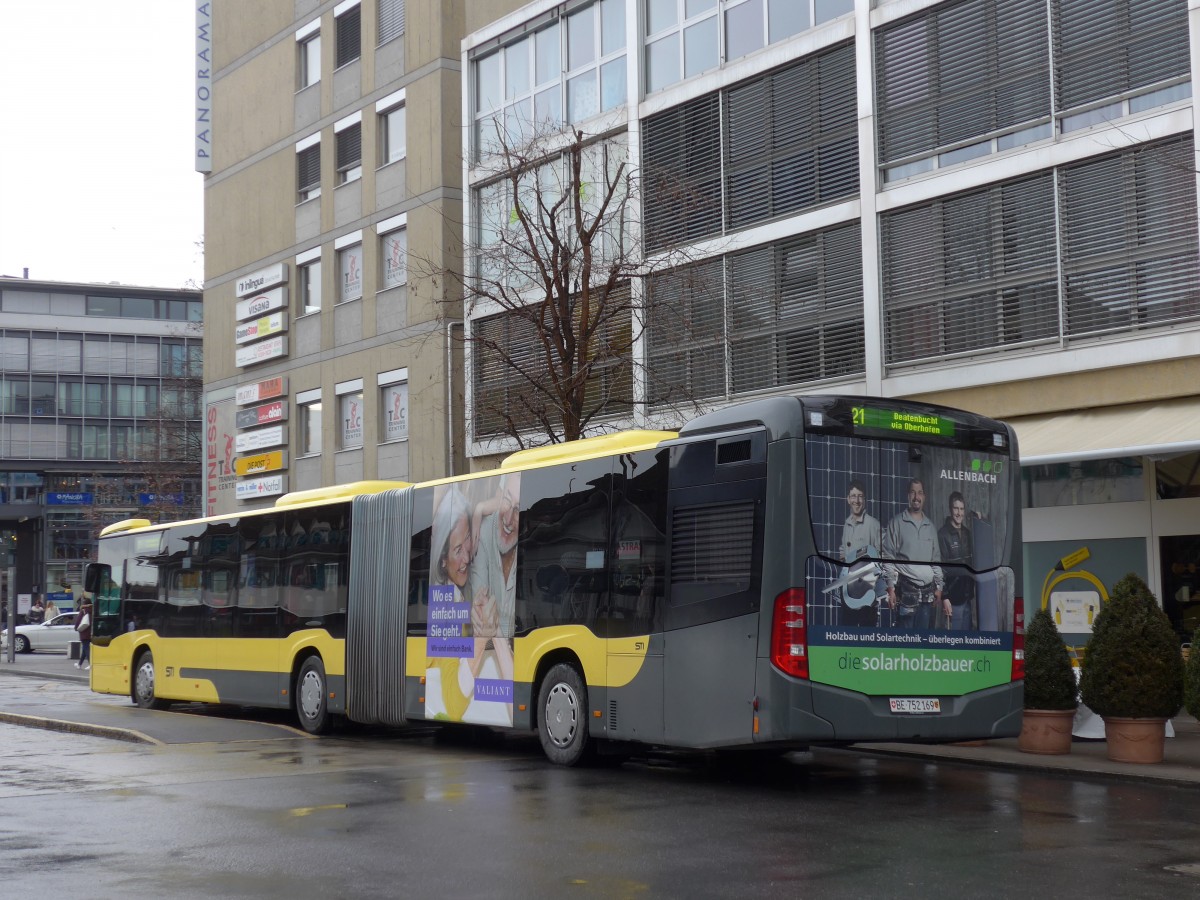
115,717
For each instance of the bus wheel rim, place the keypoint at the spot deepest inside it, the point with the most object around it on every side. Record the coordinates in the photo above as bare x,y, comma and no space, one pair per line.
310,695
145,681
562,715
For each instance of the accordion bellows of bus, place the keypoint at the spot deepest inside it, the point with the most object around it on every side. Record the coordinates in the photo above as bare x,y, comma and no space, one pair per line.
778,573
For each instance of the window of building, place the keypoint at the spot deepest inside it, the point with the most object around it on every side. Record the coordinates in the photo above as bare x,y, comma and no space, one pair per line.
391,20
508,358
1178,477
348,151
958,72
1082,482
1129,239
308,409
308,282
350,273
14,352
393,256
789,143
308,168
1105,245
685,334
1116,49
393,405
566,71
349,35
392,134
685,37
350,414
795,311
70,398
308,46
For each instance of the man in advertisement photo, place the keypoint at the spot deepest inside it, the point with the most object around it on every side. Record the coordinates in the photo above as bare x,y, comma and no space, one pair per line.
957,545
860,538
914,586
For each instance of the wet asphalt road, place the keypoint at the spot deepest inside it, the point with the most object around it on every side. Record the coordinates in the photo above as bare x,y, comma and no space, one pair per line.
384,814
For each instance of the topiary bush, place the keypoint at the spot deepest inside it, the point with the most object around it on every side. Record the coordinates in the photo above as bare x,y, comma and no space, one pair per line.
1049,679
1132,666
1191,678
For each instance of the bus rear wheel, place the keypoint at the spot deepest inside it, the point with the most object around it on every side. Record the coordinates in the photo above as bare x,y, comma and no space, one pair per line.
143,683
311,691
562,716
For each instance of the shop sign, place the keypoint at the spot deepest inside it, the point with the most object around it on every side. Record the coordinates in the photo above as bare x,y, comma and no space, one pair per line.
263,390
69,499
268,486
271,348
258,440
261,462
262,415
264,278
262,303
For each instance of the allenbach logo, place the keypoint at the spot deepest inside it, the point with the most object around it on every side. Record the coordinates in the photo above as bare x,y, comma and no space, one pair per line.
982,471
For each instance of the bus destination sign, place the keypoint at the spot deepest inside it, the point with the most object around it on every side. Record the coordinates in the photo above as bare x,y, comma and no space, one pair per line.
903,421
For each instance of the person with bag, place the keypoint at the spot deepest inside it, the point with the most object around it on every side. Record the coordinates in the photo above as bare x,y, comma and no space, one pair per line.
83,624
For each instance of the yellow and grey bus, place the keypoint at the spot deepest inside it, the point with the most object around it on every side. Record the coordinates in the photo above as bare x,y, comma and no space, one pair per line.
778,573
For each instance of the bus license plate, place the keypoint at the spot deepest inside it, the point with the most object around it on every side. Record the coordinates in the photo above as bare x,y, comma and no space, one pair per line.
918,705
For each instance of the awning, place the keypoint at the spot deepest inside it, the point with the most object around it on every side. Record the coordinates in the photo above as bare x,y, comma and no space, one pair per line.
1161,429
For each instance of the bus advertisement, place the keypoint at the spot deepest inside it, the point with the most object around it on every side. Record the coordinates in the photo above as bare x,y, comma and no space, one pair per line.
777,573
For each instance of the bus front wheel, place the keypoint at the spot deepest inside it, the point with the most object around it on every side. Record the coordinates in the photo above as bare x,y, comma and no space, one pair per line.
143,683
311,690
562,716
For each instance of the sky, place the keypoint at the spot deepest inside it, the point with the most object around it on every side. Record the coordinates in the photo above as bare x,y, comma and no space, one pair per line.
97,182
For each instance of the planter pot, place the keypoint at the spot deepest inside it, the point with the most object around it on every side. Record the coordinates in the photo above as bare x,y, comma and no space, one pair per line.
1135,740
1046,731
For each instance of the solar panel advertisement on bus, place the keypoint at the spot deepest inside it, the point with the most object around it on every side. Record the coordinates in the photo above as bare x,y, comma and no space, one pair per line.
911,593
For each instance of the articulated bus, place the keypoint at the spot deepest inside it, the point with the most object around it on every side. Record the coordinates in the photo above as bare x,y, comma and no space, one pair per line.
779,573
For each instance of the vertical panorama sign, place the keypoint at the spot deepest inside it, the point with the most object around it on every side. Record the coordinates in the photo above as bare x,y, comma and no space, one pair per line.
203,87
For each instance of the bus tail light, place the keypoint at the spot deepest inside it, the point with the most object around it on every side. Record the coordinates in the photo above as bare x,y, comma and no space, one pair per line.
789,633
1018,663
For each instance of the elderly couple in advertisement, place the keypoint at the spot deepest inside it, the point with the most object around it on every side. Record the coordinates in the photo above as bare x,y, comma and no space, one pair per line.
472,600
918,594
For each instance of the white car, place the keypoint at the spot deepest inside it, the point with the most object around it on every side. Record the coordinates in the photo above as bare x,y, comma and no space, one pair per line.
53,635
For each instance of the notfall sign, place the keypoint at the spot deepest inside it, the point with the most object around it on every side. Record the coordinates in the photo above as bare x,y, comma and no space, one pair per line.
268,486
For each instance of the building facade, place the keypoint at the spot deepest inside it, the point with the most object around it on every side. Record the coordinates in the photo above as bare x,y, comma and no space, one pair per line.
332,200
99,419
986,204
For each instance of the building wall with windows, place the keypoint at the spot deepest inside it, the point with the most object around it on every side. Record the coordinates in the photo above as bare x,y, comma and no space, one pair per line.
331,222
987,204
99,419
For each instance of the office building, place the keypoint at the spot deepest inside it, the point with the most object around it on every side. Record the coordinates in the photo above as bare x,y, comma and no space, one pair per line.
332,203
99,419
986,204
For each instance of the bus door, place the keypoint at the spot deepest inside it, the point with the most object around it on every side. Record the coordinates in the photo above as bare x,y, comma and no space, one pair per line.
715,510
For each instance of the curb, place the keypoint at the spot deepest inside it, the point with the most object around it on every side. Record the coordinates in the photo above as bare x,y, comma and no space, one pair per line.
104,731
1151,774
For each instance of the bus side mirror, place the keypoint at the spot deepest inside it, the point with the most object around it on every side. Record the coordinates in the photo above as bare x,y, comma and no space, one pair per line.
94,577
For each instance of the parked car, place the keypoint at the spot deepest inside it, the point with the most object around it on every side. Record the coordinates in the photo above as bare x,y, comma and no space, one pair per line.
53,635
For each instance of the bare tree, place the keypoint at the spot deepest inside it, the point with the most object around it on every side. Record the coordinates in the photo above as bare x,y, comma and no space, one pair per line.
552,288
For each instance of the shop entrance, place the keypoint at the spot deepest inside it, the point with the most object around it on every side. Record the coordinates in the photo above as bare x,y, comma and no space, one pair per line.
1180,555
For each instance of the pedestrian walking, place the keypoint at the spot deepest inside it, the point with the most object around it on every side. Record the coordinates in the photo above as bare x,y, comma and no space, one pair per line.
83,625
